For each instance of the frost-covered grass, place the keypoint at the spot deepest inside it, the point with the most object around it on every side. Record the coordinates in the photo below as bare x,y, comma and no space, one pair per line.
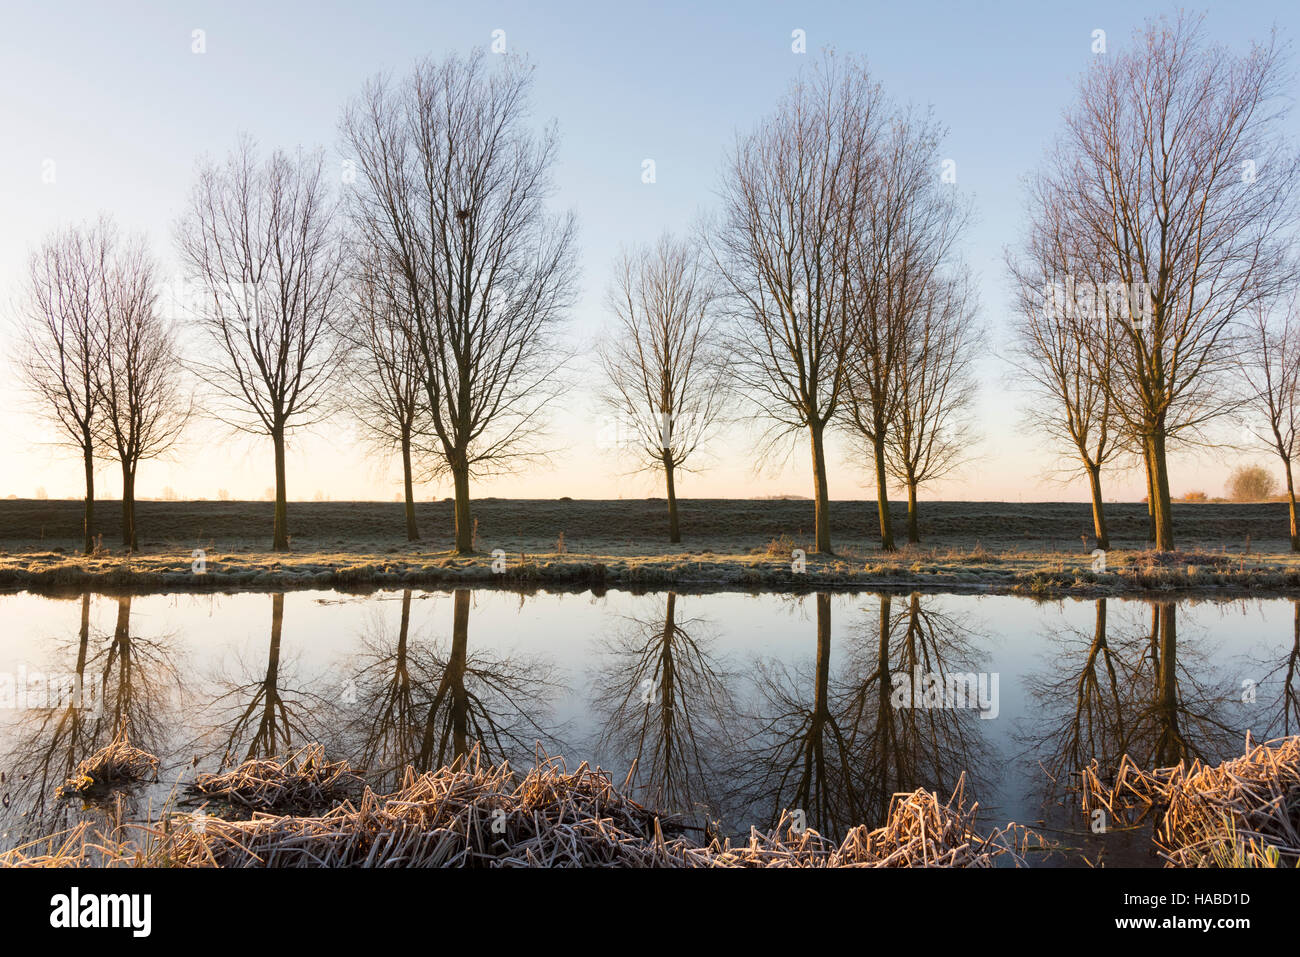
1026,572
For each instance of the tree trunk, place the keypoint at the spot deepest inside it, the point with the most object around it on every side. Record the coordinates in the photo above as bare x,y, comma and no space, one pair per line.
280,536
821,508
674,531
129,540
1290,494
412,533
1163,508
886,714
913,523
122,649
464,521
84,644
1151,495
403,631
89,521
666,701
1098,509
1170,747
456,666
267,741
277,631
882,494
821,698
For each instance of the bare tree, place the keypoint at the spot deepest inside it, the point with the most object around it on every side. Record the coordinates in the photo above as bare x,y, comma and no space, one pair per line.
139,375
903,236
260,238
790,193
452,189
62,340
661,360
1270,368
1064,373
1172,169
385,380
932,432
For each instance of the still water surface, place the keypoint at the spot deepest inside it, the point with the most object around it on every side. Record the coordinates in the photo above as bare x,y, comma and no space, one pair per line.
731,706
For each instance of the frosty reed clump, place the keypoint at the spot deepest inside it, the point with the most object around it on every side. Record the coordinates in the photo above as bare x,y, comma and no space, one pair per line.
304,782
919,831
477,815
118,763
1243,813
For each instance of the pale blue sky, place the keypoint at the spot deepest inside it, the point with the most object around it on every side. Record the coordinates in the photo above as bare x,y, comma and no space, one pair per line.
120,104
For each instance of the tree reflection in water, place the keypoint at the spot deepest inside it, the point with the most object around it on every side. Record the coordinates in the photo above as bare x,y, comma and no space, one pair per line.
129,685
839,750
1276,683
426,703
264,711
905,748
663,701
1136,690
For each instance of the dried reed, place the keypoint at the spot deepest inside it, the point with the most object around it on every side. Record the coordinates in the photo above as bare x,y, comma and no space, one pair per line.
920,831
1244,812
304,782
477,815
113,765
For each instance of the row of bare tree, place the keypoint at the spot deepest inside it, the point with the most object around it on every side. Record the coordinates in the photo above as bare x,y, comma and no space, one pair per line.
1159,248
423,300
99,357
425,297
826,293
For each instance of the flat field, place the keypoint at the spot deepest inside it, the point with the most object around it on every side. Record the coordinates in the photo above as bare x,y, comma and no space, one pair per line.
1039,548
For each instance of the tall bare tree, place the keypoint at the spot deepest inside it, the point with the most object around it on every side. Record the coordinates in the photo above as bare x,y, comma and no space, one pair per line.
385,381
260,237
791,191
904,231
932,433
139,375
662,358
451,190
62,339
1270,368
1064,373
1172,168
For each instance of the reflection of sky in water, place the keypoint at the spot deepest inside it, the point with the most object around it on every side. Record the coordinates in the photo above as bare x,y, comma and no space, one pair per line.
744,724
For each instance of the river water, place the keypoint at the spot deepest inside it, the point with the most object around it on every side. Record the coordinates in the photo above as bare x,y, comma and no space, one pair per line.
733,707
